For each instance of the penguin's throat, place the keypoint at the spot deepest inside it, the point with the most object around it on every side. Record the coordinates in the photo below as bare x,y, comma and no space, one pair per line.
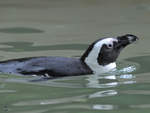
99,69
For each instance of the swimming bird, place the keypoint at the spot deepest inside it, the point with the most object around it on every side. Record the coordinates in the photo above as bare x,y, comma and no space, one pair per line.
100,57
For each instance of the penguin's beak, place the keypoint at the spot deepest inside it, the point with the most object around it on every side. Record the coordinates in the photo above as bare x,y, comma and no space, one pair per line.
125,40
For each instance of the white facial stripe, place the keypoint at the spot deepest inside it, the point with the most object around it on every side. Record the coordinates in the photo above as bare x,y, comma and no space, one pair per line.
91,59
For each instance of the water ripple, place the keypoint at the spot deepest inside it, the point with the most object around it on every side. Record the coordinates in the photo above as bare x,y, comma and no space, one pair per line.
103,93
20,30
7,91
52,101
103,107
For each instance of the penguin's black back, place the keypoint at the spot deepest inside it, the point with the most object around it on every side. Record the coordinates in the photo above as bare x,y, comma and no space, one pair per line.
46,66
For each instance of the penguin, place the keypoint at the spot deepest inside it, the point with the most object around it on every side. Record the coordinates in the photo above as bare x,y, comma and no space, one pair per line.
100,57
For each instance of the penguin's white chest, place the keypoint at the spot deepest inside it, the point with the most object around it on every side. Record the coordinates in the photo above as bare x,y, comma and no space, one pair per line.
98,69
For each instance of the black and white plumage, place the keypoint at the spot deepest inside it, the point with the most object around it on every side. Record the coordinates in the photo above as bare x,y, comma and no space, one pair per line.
99,58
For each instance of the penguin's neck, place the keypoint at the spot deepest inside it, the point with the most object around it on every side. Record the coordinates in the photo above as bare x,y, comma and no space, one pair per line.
90,58
92,62
99,69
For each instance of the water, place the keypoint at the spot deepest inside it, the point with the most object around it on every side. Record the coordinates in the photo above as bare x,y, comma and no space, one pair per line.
66,28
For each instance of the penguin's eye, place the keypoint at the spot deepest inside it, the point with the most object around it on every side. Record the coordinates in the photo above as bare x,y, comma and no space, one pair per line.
110,46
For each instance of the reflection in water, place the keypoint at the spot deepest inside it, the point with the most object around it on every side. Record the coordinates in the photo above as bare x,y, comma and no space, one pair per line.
127,69
29,46
93,82
128,82
51,83
81,98
111,80
34,111
103,107
103,93
127,76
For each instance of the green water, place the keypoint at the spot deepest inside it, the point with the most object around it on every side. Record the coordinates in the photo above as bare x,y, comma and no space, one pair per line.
66,28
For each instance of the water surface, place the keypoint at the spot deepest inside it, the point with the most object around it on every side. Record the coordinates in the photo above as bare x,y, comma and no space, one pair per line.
66,28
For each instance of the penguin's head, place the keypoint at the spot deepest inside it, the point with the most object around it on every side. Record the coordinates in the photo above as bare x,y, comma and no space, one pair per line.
101,55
